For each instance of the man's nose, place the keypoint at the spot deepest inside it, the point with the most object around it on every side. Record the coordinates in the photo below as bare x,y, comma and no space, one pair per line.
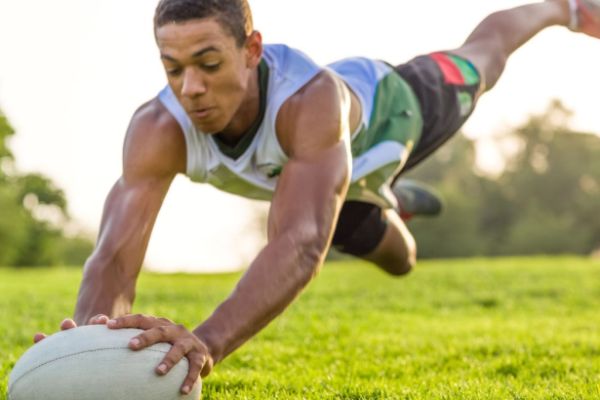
193,83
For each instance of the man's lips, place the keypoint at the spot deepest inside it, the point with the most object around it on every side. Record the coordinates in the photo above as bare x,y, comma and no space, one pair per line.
201,113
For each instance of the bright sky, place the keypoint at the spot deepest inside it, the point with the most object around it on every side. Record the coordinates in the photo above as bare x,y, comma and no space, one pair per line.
73,72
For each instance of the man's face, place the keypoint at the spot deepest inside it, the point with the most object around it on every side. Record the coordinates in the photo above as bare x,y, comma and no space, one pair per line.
206,70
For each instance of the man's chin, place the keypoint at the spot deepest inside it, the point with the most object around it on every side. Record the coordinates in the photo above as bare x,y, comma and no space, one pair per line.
209,129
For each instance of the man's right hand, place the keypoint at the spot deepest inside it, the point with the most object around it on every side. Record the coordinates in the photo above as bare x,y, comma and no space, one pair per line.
68,323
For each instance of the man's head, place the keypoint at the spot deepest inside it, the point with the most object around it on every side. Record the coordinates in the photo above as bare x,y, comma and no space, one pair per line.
233,15
209,52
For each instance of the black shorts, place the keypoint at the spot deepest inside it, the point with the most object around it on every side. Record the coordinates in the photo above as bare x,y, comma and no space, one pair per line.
447,87
360,228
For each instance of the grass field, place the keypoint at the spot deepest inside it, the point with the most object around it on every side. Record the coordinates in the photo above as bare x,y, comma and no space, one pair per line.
521,328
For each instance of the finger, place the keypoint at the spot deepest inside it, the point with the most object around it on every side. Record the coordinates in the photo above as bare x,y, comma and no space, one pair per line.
175,354
138,321
158,334
196,363
99,319
67,324
38,337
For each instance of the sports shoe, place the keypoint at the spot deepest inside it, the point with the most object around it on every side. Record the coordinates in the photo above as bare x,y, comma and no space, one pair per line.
585,17
416,199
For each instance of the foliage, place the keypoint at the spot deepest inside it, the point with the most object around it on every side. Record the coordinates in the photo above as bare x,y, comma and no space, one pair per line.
13,226
42,189
545,201
27,238
512,328
5,131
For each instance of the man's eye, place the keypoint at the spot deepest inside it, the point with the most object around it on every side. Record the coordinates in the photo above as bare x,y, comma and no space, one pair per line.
174,71
211,67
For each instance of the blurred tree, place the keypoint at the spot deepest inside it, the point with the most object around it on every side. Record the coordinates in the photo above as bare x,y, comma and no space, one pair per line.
5,131
13,226
32,213
545,201
555,181
39,189
6,156
451,234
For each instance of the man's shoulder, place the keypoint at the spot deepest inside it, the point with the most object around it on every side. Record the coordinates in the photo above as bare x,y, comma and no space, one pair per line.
154,136
152,118
323,83
316,111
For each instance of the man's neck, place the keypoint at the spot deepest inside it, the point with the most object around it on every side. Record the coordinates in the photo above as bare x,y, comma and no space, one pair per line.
246,115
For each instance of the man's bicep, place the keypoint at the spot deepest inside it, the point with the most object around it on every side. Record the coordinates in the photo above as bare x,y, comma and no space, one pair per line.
129,214
154,152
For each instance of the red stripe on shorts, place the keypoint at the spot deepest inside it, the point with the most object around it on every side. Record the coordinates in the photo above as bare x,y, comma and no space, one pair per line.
452,75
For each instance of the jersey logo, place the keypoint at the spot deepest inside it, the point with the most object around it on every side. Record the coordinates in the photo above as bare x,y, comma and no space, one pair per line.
270,170
465,102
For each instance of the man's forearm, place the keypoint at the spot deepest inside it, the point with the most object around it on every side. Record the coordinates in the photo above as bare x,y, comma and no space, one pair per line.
279,273
103,291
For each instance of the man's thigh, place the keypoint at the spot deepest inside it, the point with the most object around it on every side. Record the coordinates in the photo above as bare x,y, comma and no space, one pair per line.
376,235
447,87
360,228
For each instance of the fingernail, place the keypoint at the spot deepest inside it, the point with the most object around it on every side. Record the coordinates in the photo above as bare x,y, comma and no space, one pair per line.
111,322
186,389
162,368
134,342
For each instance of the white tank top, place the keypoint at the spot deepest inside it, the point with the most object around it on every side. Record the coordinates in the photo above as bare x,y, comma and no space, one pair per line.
254,174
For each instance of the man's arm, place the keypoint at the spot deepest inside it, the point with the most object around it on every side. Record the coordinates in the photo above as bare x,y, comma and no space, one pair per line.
309,195
154,152
313,130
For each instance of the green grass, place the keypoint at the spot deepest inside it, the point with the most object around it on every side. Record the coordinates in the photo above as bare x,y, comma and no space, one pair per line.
522,328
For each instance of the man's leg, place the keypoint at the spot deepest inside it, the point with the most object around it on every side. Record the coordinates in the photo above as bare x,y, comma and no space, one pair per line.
396,253
501,33
416,199
379,236
449,83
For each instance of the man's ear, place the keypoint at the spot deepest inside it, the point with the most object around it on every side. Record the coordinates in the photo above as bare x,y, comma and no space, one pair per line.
254,49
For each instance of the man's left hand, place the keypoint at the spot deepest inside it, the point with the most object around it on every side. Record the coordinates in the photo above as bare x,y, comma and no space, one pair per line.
184,344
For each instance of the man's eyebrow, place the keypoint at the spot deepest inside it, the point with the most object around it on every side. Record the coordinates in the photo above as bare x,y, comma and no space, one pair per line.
195,55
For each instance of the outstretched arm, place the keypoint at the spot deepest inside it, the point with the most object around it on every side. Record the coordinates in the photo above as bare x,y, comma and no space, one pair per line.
108,285
313,130
153,154
301,221
309,195
500,34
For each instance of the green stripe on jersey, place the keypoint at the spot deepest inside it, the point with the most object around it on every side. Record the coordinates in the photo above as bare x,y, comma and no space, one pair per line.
245,141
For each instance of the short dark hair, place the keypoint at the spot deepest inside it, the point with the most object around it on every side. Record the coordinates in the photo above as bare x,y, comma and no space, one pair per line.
234,15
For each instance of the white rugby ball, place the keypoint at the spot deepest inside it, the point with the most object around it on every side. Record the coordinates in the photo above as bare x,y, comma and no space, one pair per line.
95,363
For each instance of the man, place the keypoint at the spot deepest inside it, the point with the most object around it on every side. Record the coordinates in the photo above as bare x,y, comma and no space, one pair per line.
324,144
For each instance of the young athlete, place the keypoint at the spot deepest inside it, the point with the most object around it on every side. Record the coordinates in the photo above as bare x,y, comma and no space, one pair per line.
324,144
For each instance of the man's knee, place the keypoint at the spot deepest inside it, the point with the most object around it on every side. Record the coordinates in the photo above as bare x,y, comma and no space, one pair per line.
379,236
398,263
360,229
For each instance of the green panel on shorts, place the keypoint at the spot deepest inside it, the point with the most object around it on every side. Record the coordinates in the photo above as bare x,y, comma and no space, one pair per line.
468,71
396,116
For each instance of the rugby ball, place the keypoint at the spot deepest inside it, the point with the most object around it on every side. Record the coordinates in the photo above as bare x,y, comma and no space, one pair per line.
95,363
